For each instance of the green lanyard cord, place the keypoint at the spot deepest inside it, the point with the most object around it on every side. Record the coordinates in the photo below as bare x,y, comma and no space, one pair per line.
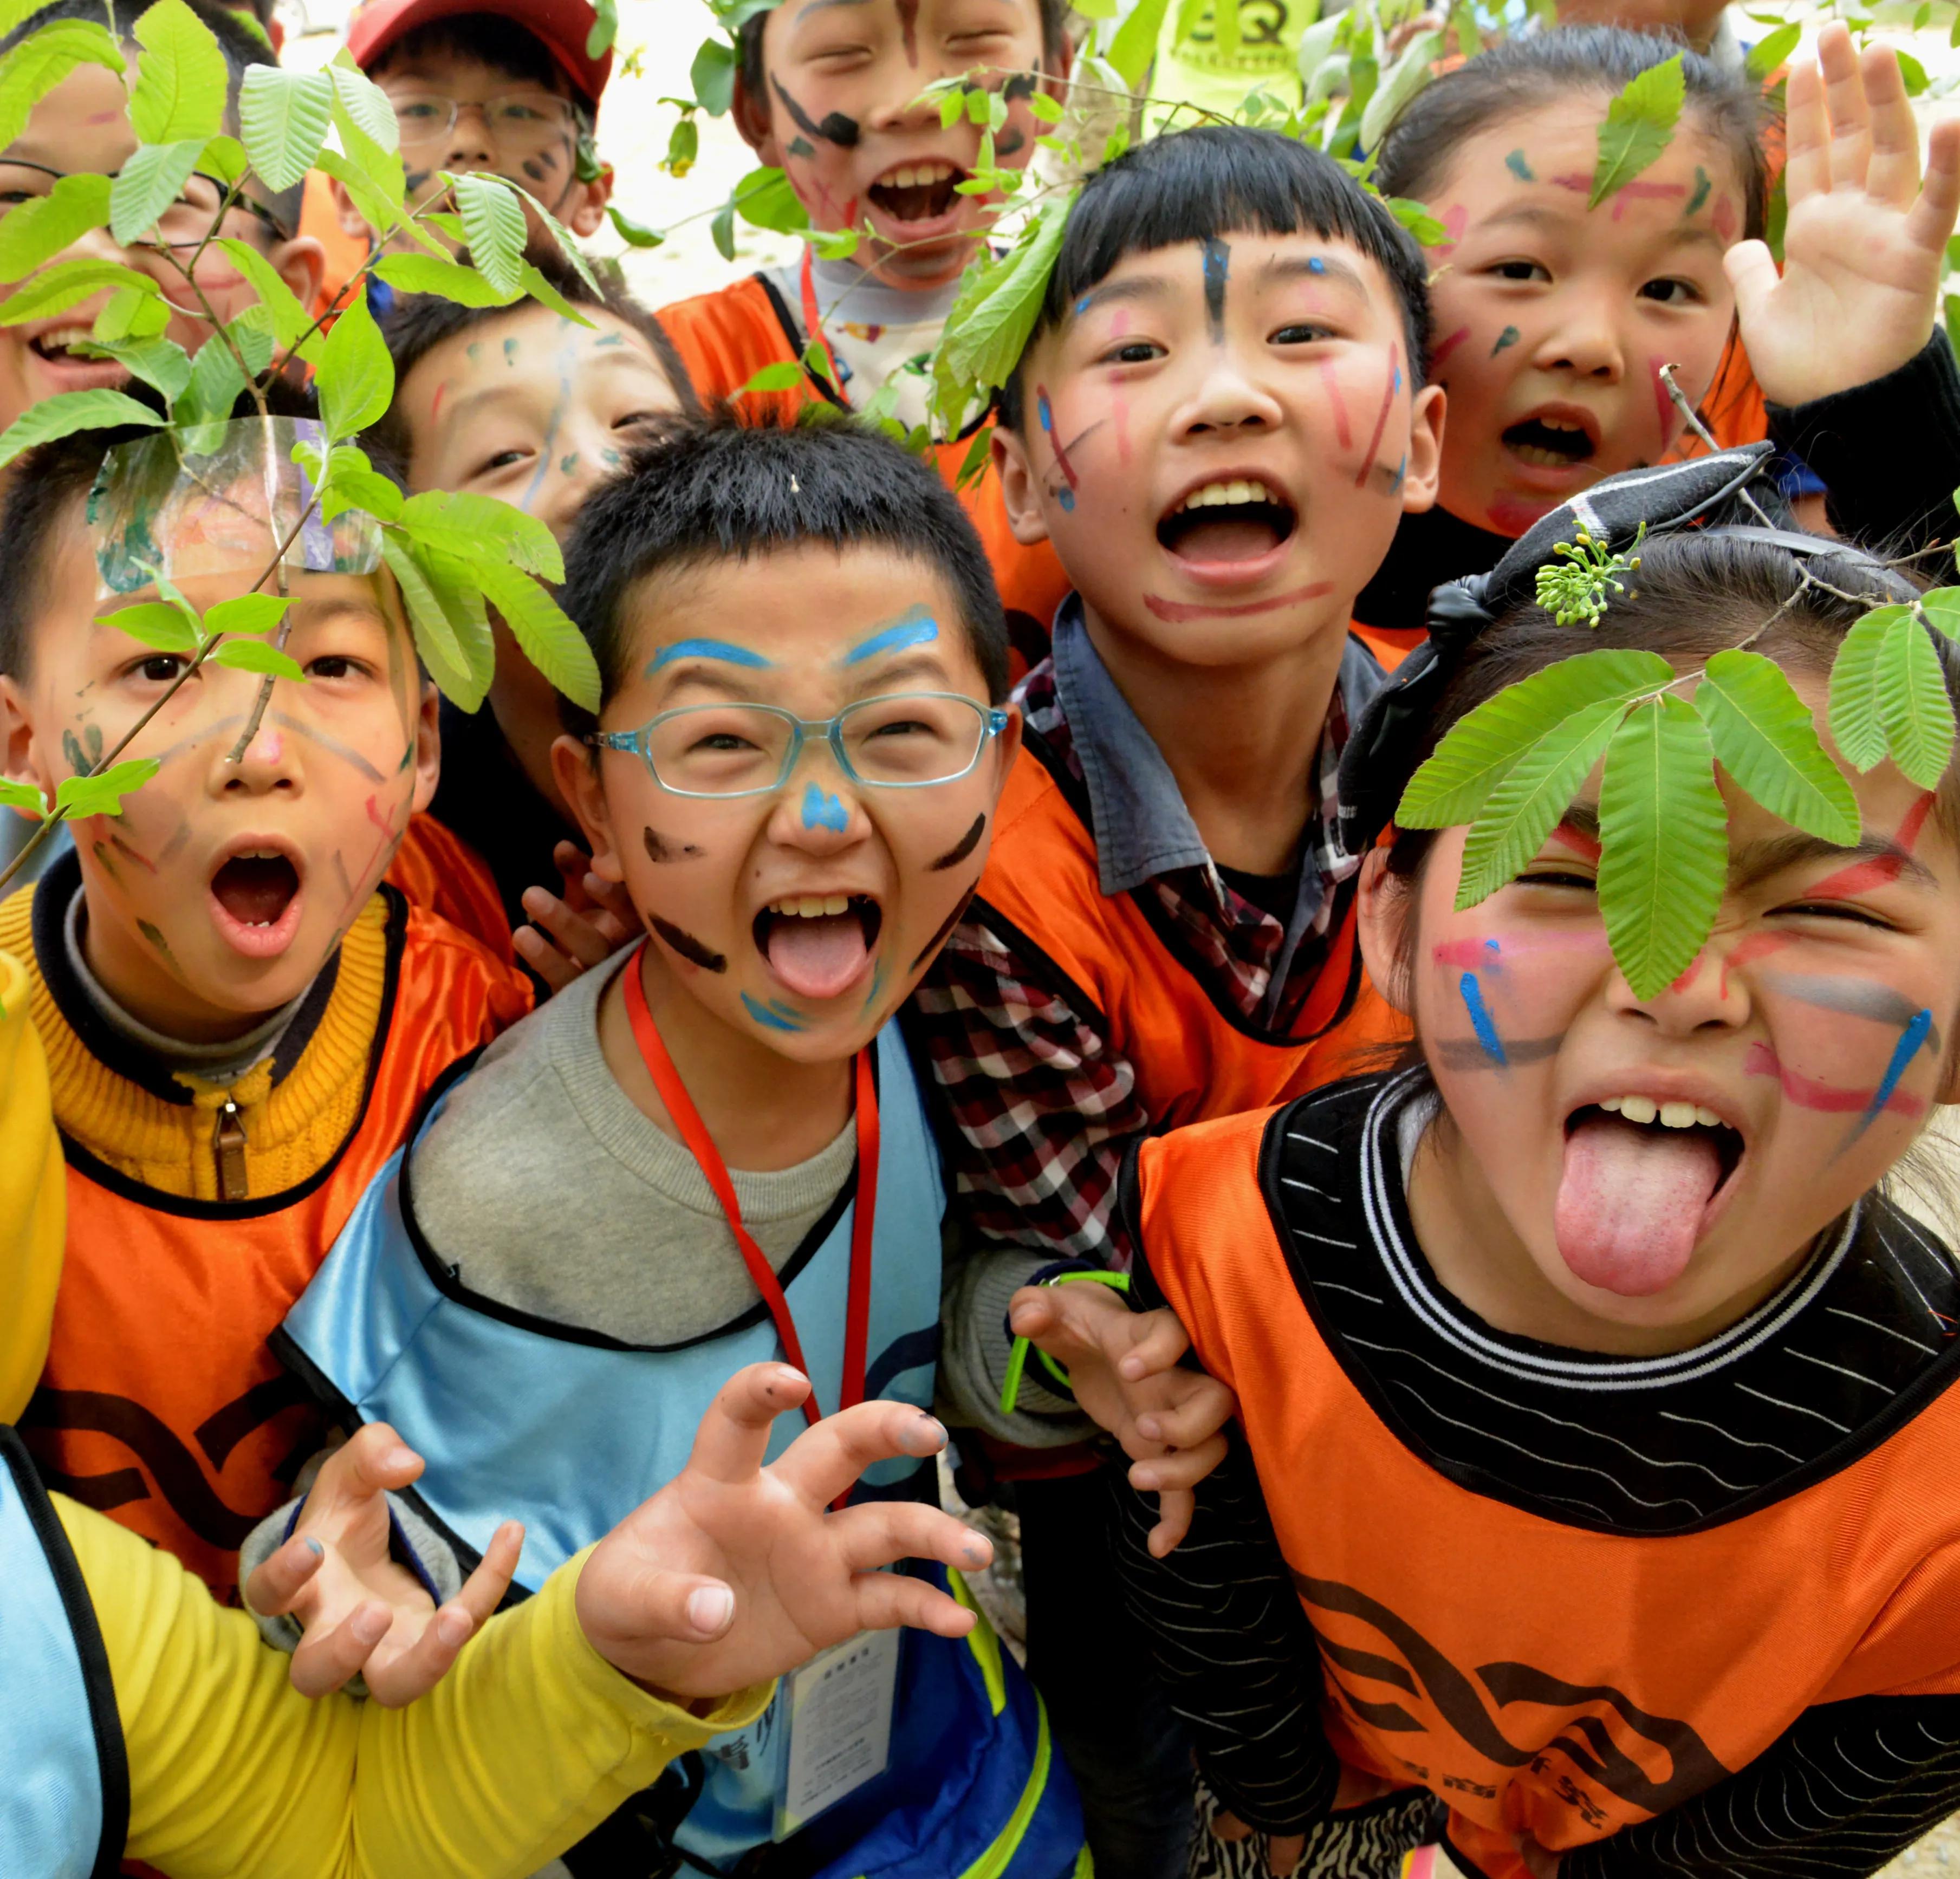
1017,1358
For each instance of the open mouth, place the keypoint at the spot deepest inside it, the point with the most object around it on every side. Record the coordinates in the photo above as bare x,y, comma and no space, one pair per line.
819,945
1640,1182
52,347
917,192
1237,521
1550,443
256,895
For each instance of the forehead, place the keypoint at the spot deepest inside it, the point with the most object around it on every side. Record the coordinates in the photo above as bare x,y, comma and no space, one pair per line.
1243,261
532,349
83,123
794,17
449,69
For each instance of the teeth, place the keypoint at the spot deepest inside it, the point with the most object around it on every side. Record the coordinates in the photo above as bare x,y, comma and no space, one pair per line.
58,338
811,906
910,175
1642,1109
1677,1115
1708,1118
1538,454
1559,424
1226,495
1670,1115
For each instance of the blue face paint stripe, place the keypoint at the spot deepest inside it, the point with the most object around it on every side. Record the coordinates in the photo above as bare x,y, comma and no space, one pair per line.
916,629
1217,270
707,649
1481,1020
822,810
775,1021
1907,1047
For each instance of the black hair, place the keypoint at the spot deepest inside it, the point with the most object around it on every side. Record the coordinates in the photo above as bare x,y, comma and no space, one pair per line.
1521,75
719,489
493,40
1211,181
242,48
418,323
749,44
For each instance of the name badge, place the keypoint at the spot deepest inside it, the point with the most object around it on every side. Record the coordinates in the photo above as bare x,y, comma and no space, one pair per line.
839,1710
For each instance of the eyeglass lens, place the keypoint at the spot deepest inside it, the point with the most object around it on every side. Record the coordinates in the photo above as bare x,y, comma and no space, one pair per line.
727,750
183,224
520,123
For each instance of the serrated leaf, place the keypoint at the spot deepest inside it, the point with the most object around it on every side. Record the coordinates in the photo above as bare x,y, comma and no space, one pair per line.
1134,45
215,383
435,638
1764,736
23,796
38,229
1771,50
494,222
180,78
283,117
1534,795
254,613
1664,843
384,216
1403,80
151,179
1913,708
67,412
1941,609
550,640
162,363
130,313
252,655
712,75
465,524
1639,127
427,274
765,199
784,375
1853,712
42,60
1479,748
65,284
542,291
356,378
102,795
363,104
287,319
368,490
997,306
567,245
156,623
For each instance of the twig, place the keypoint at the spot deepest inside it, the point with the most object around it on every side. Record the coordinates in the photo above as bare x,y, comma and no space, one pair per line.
1707,436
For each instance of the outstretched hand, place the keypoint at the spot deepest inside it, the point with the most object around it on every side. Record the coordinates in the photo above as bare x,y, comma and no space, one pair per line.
361,1612
1124,1367
1864,244
734,1572
572,933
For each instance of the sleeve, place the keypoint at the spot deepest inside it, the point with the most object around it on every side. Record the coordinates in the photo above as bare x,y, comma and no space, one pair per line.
33,1196
1041,1108
1883,492
530,1741
1233,1648
1845,1789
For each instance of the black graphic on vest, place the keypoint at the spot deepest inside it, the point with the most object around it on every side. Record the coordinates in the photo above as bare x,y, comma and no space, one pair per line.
1423,1670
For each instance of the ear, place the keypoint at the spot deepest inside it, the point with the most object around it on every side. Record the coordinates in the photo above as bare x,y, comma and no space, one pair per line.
1383,905
576,772
1425,449
588,213
429,746
752,119
1018,489
301,263
20,752
1058,65
353,224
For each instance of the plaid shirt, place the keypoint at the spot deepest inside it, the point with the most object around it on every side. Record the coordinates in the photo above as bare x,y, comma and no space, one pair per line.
1044,1102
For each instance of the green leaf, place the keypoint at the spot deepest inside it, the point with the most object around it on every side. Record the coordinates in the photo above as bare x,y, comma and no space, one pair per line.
1479,748
712,75
542,291
366,490
425,274
130,313
252,655
162,363
38,229
288,319
254,613
765,199
952,107
23,796
997,305
384,216
216,383
156,623
1764,736
1913,708
493,220
40,62
1047,110
545,631
1664,843
437,637
605,28
102,795
1941,609
67,412
1638,126
784,375
356,377
252,333
722,229
634,234
1404,79
149,181
284,115
462,524
1424,230
1770,51
1912,72
1533,797
224,158
1134,45
180,78
61,286
362,103
568,244
1853,714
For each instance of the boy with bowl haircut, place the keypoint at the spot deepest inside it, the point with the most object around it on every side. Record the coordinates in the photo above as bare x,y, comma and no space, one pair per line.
239,1026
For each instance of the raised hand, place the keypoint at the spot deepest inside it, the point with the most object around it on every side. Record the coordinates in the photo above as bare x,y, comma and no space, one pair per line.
1863,246
734,1572
1123,1366
360,1611
583,928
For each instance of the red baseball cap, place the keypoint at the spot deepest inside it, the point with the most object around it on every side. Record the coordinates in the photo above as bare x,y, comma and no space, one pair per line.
562,27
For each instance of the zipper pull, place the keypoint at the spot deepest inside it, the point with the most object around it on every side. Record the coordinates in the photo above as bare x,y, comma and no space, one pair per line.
230,1145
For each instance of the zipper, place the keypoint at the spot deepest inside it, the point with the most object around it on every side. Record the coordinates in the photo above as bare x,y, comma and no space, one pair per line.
228,1144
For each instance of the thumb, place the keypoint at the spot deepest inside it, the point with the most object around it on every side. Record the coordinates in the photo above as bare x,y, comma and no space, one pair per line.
623,1615
1033,1312
1751,269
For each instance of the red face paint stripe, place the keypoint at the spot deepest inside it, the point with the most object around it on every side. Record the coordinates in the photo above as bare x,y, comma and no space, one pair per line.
1907,837
1381,417
1332,380
1177,610
1579,843
1443,351
1807,1093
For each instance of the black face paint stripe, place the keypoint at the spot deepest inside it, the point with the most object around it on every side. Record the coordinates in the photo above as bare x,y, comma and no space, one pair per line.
661,849
946,926
962,849
686,944
836,128
1217,267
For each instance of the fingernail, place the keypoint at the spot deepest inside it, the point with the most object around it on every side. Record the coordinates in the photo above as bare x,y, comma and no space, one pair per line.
709,1608
1132,1367
452,1626
1144,1478
526,941
314,1547
402,1457
932,1428
978,1553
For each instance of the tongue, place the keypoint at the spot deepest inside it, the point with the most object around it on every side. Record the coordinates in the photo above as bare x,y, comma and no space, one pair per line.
1631,1203
1234,540
817,958
255,892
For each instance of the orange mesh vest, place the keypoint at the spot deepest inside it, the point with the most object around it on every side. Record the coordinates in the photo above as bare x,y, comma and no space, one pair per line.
1041,888
160,1404
1542,1679
725,338
438,870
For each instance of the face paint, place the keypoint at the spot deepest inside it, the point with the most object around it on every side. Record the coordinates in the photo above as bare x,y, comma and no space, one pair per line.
1724,221
1487,955
960,849
155,937
774,1016
1463,1054
1217,268
877,986
1519,167
1045,413
1443,351
1178,611
802,147
1647,191
1855,997
1401,472
128,853
908,26
1394,385
1807,1093
822,810
510,352
1907,1047
566,464
1481,1020
721,649
1861,875
836,128
1703,183
1331,380
916,629
946,926
533,169
313,734
102,854
686,944
72,750
1010,143
660,850
1509,337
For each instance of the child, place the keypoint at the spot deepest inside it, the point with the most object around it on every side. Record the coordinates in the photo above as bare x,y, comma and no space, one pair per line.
520,403
1597,1392
830,94
1553,319
239,1025
794,775
82,126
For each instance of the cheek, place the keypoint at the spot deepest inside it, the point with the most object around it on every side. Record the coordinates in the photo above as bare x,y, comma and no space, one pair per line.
1500,998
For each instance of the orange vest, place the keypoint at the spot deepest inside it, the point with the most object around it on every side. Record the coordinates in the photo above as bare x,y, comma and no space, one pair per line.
161,1404
1540,1678
1191,1060
725,338
439,871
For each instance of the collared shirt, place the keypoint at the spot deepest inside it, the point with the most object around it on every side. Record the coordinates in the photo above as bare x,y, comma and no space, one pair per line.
1044,1104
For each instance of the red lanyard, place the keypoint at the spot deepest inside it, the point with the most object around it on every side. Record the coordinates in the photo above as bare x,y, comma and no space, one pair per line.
693,1132
813,327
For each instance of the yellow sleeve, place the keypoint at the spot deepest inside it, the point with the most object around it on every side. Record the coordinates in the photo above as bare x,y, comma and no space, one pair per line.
529,1742
34,1196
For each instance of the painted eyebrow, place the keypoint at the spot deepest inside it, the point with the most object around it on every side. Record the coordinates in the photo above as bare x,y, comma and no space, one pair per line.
1313,267
920,665
1139,287
706,649
1762,860
916,627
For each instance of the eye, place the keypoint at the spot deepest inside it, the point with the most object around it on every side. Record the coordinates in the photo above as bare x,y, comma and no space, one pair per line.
1560,878
721,742
633,420
1672,293
158,668
1846,910
1521,271
1301,332
335,665
1133,352
503,459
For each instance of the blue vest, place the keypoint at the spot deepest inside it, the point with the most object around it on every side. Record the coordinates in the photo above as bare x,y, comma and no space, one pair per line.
63,1786
569,1431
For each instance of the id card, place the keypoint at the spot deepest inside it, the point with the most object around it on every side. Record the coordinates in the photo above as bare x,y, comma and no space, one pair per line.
839,1711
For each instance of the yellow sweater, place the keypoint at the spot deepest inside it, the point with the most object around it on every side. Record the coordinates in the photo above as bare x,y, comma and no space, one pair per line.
34,1196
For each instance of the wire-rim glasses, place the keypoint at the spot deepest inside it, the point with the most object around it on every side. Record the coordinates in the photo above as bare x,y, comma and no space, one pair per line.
180,214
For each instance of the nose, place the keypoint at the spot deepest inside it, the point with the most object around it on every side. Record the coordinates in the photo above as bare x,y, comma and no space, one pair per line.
1706,997
902,108
1584,340
470,145
1229,399
818,811
584,455
267,767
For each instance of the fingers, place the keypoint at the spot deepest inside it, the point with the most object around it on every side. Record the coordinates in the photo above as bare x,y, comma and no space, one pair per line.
275,1582
326,1659
1158,1349
734,1435
1181,1469
1892,176
1846,106
1751,270
374,1461
826,1461
1806,161
1929,221
887,1600
1034,1313
413,1672
543,957
1203,1407
1174,1512
885,1532
583,943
